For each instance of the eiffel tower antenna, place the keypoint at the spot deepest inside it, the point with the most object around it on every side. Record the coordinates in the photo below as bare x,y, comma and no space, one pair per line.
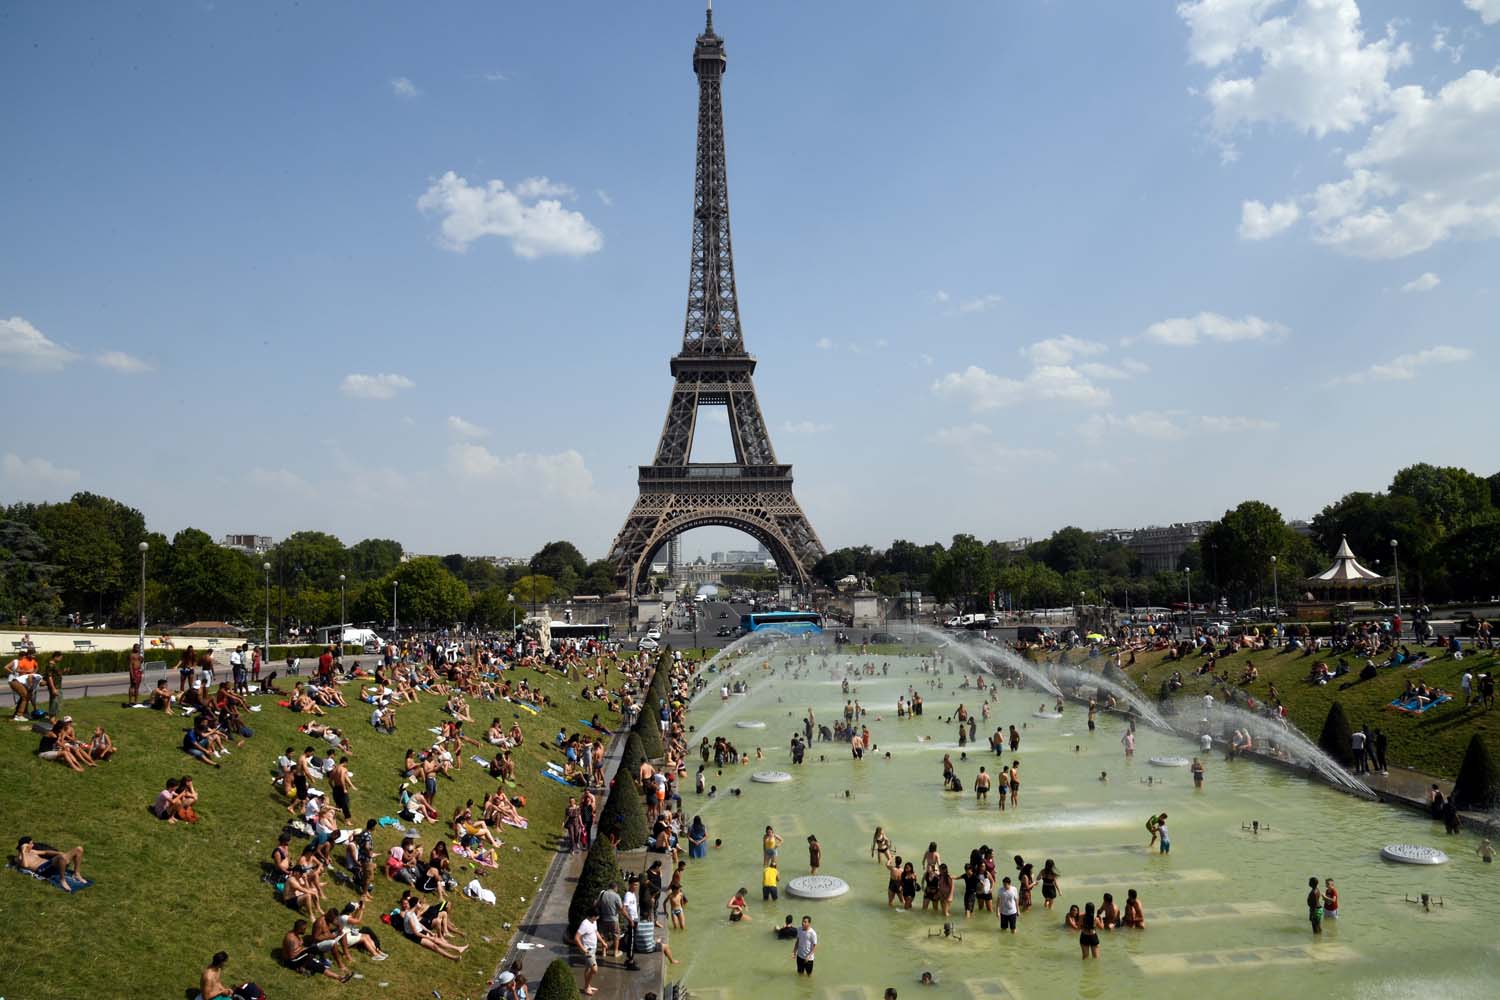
753,493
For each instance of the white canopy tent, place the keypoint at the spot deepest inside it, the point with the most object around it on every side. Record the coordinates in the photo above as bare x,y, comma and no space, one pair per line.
1346,571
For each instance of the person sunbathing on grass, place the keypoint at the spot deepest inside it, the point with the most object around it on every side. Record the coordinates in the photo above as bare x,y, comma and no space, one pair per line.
465,823
48,862
300,702
300,957
410,921
500,809
55,746
414,804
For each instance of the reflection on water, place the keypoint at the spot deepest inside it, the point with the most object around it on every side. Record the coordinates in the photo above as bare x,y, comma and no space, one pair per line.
1224,903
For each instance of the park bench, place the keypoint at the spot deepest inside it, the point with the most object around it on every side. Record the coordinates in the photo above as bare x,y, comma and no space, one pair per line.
83,645
212,643
18,645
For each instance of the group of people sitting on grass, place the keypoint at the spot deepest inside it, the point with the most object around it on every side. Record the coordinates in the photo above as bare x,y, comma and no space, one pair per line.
60,743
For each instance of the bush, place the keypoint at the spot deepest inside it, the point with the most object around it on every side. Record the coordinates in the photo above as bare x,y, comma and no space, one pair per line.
631,757
624,814
1478,783
648,728
1335,741
558,982
601,869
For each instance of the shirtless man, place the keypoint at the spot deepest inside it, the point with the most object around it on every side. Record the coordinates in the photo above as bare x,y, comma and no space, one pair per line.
304,959
133,697
49,863
981,787
211,983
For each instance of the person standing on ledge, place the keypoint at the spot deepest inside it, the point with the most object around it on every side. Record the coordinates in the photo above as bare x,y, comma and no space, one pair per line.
806,948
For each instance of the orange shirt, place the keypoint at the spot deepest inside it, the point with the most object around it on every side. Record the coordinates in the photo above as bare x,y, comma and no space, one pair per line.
26,664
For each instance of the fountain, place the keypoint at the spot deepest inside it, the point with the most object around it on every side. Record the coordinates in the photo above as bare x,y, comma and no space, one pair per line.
1127,693
1288,737
984,656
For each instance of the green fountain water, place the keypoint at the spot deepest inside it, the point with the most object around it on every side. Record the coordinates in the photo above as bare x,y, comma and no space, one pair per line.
1225,910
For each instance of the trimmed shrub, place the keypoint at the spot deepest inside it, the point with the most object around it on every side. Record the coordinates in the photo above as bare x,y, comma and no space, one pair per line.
648,728
624,814
558,982
1478,782
631,757
601,869
1335,741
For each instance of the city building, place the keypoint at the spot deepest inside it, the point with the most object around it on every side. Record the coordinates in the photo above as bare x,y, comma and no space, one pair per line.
254,545
1158,547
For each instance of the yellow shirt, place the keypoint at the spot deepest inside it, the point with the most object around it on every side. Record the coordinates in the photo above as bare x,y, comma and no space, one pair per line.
770,876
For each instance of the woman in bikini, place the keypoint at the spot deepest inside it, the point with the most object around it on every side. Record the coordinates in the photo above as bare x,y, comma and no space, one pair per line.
880,846
1049,882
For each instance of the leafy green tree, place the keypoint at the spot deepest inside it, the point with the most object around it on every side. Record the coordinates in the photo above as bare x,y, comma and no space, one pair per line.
321,556
1452,498
209,582
534,590
1244,540
373,558
965,573
555,558
1471,559
492,608
26,575
1071,549
428,595
600,579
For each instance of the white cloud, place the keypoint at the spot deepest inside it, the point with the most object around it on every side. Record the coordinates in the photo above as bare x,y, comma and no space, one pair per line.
1440,45
563,474
1488,10
1424,175
543,187
463,428
1422,283
604,197
1148,423
1302,62
1235,425
36,471
402,87
984,391
979,304
824,344
1128,368
1404,367
940,296
806,427
123,363
1060,350
1259,221
495,77
976,443
382,386
1187,331
25,347
535,228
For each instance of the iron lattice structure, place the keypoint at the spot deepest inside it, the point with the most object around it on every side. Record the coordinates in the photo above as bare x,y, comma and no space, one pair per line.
754,492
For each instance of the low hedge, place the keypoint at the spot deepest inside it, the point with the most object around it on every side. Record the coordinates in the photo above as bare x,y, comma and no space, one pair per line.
109,661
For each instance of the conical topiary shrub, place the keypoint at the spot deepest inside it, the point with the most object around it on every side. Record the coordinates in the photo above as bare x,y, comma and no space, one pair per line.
1478,783
631,757
600,871
624,814
648,728
1336,733
558,983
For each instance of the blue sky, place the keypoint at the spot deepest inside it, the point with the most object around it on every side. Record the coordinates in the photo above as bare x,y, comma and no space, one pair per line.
416,271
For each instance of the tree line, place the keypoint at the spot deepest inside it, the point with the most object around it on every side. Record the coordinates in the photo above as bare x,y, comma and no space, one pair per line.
1445,520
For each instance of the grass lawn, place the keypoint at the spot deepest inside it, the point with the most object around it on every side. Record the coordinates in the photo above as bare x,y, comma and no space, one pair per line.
1433,742
167,897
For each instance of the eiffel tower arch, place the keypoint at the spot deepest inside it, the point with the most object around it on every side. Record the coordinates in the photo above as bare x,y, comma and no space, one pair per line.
753,493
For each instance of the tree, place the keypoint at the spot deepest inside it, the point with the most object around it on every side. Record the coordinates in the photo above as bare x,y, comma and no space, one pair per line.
600,578
428,595
1478,783
534,589
373,558
624,814
555,558
1452,498
648,727
1472,560
631,757
1071,549
321,557
492,608
1244,540
601,870
26,575
965,573
558,982
1335,739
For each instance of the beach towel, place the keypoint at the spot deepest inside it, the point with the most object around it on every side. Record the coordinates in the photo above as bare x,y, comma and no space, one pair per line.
526,705
478,857
75,884
518,824
479,760
1411,707
557,778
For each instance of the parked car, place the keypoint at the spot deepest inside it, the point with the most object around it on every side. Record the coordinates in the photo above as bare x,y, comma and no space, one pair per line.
648,644
886,639
724,631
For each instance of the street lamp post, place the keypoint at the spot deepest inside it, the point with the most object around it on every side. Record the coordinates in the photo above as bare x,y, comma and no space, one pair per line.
1187,572
143,549
1276,600
395,617
266,653
1396,567
342,619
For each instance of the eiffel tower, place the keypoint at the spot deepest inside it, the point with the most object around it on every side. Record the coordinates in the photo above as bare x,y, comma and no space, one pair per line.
754,492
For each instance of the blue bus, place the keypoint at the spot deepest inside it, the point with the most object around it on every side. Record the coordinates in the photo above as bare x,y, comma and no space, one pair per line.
789,622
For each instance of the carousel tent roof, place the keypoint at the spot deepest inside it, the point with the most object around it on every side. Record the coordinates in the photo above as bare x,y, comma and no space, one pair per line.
1346,571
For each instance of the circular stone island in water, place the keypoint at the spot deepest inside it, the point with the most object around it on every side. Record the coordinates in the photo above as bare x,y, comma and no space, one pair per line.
1046,715
816,887
751,725
1170,761
770,777
1413,854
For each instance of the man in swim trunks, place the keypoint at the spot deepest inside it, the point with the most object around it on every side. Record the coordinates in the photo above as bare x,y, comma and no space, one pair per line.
1314,905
